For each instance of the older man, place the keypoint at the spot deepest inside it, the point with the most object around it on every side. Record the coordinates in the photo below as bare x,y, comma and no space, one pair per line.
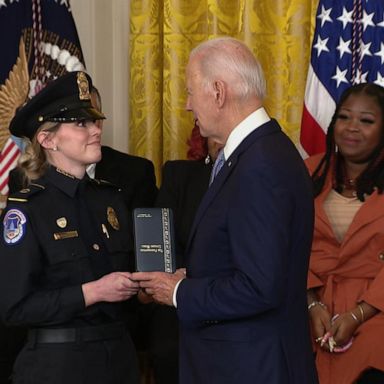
242,306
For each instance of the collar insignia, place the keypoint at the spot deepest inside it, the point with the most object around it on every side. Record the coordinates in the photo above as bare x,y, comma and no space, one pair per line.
61,222
65,173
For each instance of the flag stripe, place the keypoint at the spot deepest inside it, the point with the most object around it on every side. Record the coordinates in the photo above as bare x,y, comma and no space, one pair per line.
9,148
318,101
313,137
347,49
8,161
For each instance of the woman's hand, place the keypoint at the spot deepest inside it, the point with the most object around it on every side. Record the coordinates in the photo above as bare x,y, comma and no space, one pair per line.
321,322
114,287
343,328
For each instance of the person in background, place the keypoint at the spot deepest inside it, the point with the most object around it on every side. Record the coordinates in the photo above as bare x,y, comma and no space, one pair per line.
184,183
133,174
346,275
242,307
64,266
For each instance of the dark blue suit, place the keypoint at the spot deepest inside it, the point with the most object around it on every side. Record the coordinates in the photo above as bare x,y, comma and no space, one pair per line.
242,309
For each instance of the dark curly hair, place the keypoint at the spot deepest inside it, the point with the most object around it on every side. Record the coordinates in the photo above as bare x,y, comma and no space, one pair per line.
198,145
373,176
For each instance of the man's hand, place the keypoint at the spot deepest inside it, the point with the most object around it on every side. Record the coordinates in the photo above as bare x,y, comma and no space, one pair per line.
160,285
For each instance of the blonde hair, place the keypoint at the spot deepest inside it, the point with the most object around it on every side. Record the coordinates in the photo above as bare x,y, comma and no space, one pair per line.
33,162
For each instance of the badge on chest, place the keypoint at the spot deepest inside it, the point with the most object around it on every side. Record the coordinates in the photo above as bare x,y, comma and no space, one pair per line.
112,218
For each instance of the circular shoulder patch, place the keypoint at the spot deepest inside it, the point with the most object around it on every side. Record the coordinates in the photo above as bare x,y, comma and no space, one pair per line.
14,226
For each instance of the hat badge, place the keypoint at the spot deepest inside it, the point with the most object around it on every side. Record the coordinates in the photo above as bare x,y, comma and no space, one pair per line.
83,85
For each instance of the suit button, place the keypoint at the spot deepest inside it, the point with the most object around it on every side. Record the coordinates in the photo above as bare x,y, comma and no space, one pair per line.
96,247
381,256
211,322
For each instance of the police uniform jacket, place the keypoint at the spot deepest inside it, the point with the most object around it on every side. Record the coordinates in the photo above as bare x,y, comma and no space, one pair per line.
59,233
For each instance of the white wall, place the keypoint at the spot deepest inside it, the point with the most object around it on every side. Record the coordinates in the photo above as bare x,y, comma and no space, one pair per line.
103,27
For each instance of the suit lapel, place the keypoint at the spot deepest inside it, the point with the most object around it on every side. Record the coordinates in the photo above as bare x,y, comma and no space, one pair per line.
228,167
213,190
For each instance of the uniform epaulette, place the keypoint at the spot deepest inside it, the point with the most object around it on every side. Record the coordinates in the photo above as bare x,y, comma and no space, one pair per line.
23,195
104,183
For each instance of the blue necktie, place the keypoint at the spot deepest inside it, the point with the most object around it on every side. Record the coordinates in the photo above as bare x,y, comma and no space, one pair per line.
220,160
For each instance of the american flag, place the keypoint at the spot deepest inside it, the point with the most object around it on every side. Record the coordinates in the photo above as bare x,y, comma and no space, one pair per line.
347,49
38,42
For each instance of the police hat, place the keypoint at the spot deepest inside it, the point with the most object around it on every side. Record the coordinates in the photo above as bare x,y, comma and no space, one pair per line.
63,100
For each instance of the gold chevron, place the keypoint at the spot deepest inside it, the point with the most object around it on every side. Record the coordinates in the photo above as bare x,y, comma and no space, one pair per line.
13,93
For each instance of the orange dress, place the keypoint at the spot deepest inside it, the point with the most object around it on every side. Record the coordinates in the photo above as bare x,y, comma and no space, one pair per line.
346,273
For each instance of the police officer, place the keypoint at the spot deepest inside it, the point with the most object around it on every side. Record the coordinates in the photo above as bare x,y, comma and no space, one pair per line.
64,247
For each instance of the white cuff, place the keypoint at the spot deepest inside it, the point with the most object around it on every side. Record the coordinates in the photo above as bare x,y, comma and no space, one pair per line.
175,292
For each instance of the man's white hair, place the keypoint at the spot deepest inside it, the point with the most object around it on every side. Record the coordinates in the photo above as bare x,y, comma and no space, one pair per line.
230,60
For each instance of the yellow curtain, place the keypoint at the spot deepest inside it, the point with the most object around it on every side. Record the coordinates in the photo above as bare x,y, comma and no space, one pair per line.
162,33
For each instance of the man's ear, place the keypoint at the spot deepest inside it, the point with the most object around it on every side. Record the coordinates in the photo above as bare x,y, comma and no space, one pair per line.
45,140
219,90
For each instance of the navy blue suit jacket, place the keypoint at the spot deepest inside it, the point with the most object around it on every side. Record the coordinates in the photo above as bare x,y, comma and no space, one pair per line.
242,309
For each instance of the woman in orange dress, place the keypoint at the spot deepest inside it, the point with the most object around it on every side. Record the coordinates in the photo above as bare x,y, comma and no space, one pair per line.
346,276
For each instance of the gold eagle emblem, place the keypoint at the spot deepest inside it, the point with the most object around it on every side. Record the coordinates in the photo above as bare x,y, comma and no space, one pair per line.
13,93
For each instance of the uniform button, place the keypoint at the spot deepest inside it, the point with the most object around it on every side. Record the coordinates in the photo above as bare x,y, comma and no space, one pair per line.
381,256
96,247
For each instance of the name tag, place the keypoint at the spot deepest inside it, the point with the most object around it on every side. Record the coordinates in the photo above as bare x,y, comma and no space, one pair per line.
65,235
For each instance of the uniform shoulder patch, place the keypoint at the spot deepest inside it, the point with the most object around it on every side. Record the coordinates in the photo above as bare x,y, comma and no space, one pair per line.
14,226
